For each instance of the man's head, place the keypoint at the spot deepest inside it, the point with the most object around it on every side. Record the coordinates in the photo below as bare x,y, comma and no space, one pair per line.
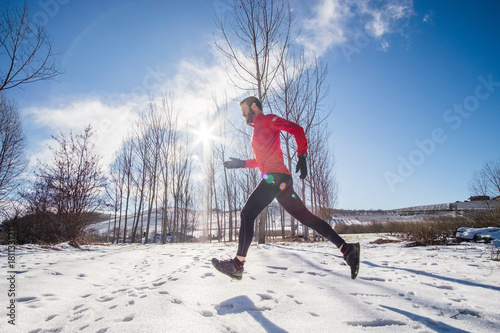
250,107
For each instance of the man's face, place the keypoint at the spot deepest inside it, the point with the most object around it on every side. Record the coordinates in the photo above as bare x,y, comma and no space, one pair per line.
247,113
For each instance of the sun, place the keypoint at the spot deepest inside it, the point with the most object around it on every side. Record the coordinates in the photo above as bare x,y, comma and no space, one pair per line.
205,135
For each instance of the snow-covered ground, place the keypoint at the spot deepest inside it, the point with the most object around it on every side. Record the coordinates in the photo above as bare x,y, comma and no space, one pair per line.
286,288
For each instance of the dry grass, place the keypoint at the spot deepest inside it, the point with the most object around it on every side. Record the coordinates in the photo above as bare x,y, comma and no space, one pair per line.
431,231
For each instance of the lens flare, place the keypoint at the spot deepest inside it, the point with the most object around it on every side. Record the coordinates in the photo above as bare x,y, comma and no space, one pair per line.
268,178
282,186
205,135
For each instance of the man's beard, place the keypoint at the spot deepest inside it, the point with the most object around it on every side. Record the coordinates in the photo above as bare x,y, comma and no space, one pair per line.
249,118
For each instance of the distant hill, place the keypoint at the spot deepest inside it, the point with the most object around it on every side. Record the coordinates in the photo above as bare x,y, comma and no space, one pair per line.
415,213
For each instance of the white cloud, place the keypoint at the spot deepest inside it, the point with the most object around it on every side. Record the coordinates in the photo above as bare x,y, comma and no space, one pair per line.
110,122
327,25
384,45
387,17
377,26
337,22
429,17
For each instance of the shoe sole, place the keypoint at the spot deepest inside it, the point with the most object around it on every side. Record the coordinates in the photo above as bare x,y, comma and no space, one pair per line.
237,277
357,248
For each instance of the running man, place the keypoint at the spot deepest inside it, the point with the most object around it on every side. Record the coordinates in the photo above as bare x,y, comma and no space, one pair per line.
276,183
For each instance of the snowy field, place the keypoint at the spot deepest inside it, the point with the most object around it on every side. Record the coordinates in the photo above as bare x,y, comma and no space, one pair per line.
286,288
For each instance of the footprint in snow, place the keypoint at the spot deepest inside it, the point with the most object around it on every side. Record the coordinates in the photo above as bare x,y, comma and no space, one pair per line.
26,299
128,318
77,307
38,330
157,284
278,268
266,297
207,314
49,318
76,318
119,291
105,299
81,311
208,274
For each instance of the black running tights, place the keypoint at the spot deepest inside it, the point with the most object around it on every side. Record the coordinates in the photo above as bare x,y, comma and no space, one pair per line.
279,185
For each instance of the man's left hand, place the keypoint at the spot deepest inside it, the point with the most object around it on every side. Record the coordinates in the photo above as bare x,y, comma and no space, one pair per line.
302,166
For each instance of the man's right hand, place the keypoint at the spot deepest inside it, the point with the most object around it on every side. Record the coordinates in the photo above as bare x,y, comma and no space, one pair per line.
234,163
302,166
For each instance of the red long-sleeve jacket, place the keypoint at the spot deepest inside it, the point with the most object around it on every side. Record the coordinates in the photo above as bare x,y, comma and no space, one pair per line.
266,143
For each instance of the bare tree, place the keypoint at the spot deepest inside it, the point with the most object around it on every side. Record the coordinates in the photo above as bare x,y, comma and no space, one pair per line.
185,190
180,166
154,141
69,190
121,179
486,182
126,170
12,146
254,38
140,170
322,180
25,49
117,180
170,139
220,150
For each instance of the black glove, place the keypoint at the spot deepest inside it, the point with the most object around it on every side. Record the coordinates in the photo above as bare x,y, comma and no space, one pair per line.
302,166
235,163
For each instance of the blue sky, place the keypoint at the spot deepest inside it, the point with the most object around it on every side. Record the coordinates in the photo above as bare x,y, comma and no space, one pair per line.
414,85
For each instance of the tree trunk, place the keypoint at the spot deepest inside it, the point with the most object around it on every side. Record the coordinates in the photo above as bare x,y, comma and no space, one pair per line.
262,226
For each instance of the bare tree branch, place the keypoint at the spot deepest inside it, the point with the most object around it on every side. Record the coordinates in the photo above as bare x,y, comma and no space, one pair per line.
254,41
25,50
12,145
